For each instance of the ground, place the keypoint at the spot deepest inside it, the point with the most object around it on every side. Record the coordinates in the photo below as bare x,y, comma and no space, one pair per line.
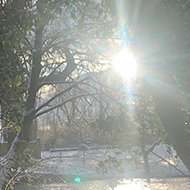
74,171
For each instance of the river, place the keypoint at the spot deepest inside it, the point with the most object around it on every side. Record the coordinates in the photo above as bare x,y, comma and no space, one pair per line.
177,183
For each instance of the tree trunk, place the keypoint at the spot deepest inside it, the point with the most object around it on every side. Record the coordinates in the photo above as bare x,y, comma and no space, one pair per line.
146,162
11,157
168,104
145,153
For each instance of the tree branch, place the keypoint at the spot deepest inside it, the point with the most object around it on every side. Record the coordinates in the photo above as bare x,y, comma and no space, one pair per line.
170,164
148,150
57,95
59,105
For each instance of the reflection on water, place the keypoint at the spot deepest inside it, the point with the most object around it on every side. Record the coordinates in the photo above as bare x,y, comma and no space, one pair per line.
135,184
155,184
177,183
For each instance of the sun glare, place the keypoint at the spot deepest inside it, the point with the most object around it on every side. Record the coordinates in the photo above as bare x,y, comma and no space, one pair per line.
125,64
133,185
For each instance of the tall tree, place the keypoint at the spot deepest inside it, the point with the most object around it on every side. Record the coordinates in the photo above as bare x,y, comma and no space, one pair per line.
165,77
59,42
158,33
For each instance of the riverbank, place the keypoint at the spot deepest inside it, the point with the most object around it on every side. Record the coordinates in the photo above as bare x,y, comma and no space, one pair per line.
130,184
73,169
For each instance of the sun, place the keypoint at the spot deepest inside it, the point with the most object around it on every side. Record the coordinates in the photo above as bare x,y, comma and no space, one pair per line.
125,64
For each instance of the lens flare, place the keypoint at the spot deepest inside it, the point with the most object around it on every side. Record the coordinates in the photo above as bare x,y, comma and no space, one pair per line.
77,179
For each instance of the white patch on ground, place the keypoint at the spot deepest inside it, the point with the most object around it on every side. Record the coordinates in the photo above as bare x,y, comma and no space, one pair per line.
72,163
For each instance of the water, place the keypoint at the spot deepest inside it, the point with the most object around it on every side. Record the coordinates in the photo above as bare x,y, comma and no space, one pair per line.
111,184
136,184
155,184
82,176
